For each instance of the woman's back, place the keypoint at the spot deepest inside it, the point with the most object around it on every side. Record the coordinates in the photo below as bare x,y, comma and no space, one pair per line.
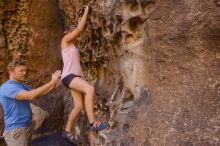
71,61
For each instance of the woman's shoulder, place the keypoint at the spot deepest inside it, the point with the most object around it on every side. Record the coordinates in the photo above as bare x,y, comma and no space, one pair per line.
64,46
68,47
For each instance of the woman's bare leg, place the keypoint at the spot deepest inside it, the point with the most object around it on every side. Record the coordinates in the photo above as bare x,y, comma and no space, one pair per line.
78,107
81,85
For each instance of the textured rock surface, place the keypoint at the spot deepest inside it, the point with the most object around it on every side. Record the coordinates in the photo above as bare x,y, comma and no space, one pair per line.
32,30
155,65
51,140
158,73
38,116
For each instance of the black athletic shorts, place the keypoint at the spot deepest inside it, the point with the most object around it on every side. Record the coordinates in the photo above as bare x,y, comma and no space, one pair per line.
66,80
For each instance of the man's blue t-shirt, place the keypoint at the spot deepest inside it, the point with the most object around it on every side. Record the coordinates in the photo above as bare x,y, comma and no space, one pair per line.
17,113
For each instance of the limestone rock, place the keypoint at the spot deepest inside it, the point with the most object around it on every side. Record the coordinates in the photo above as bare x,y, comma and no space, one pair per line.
32,30
154,63
38,116
157,69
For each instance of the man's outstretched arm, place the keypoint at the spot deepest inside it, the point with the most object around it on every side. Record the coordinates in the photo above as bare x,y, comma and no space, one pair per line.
30,95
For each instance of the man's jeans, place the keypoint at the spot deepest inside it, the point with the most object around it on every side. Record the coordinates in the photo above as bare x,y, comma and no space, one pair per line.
18,137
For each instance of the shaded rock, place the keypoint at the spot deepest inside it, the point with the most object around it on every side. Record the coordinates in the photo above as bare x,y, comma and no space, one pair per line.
155,65
166,53
38,116
51,140
26,32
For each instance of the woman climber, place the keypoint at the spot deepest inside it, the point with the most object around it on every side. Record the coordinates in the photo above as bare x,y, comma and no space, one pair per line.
72,78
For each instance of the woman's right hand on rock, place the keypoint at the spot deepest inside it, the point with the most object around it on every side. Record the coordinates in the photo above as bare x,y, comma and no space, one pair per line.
86,8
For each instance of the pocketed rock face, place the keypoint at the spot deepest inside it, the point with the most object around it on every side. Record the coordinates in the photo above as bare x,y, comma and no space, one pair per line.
157,70
154,63
3,50
3,60
32,30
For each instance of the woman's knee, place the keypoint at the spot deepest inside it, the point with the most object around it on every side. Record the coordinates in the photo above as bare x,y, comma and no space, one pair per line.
90,89
79,107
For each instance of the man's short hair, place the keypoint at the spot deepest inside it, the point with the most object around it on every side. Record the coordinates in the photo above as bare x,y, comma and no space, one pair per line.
15,63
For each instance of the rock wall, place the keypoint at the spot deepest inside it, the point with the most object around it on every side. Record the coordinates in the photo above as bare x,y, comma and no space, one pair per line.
32,30
154,63
45,30
157,70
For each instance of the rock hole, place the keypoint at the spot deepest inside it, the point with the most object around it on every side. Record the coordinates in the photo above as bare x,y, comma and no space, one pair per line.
128,38
113,124
132,4
104,21
128,96
110,28
133,139
102,139
217,87
134,23
125,127
104,30
145,3
94,38
95,25
119,19
10,41
217,2
114,143
117,37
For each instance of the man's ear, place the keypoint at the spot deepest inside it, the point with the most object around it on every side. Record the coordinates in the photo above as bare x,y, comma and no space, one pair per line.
10,71
65,32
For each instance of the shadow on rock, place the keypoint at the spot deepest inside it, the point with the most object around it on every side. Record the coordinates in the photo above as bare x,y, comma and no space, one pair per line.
52,140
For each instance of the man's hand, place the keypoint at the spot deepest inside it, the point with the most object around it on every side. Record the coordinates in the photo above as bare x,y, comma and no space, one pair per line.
58,83
56,76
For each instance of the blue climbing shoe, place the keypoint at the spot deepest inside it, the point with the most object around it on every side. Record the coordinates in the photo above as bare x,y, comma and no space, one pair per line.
98,127
69,136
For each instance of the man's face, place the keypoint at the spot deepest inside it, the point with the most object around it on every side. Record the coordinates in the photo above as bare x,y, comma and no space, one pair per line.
19,73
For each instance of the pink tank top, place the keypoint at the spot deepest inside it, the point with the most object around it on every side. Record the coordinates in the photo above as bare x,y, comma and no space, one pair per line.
71,62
